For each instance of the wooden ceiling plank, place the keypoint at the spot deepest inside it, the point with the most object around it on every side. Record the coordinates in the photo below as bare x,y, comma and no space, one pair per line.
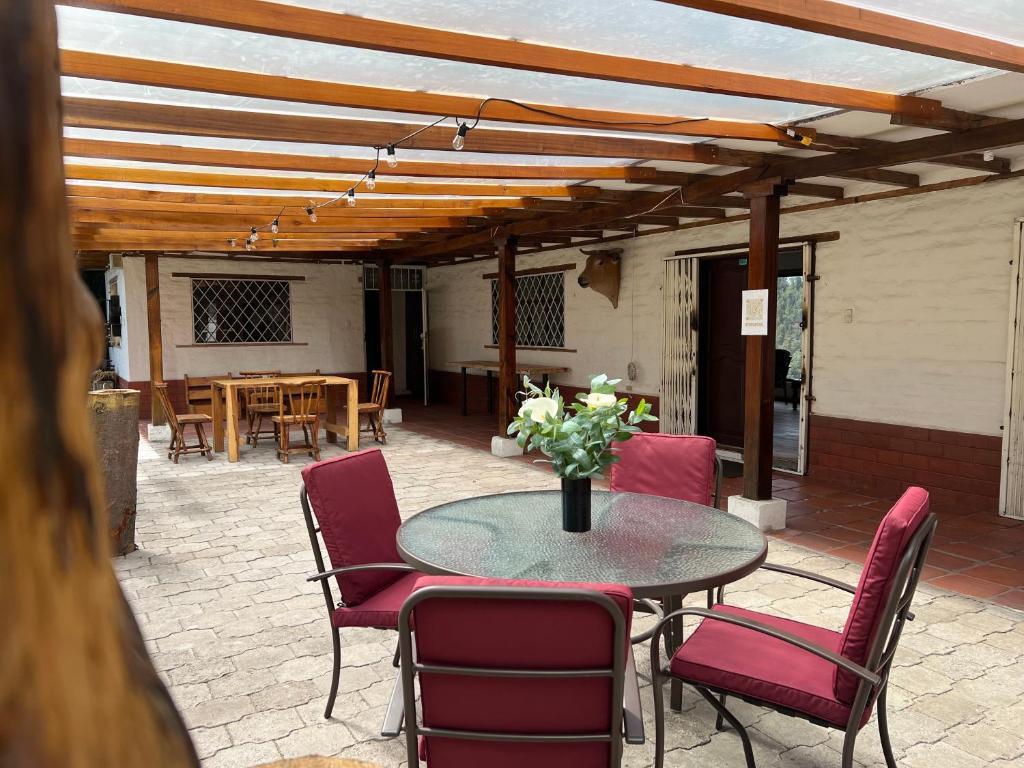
279,161
866,25
353,31
163,74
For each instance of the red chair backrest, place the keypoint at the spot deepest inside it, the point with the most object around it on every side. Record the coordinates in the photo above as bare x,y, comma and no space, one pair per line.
354,504
677,466
877,581
559,634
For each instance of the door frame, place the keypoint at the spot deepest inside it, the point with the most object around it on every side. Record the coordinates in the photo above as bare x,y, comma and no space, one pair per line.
1015,335
810,276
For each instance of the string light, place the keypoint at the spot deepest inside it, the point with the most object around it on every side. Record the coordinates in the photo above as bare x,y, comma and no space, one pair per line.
459,142
253,235
392,157
371,181
232,242
311,212
275,226
352,197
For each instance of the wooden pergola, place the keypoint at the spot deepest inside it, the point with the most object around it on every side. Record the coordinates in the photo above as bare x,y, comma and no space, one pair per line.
540,175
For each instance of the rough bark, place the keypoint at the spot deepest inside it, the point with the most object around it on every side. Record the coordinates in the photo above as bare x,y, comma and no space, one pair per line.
77,688
115,420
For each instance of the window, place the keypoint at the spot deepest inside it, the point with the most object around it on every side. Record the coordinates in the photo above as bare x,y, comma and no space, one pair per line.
241,311
402,278
540,310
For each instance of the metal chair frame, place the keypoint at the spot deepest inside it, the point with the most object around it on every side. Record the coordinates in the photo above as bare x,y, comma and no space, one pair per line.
324,577
874,676
626,720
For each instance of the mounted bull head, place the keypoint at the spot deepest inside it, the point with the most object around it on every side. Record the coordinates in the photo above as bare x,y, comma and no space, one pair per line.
602,273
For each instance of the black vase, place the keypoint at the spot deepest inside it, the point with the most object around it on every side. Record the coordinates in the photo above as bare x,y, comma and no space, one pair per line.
576,505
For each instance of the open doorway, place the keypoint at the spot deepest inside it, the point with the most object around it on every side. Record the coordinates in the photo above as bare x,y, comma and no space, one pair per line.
721,354
408,324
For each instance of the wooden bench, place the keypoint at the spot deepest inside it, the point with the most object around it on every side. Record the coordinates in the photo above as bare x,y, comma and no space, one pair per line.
199,393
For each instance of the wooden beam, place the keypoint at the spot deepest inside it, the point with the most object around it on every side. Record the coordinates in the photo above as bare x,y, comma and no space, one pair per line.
759,371
278,161
507,377
155,335
681,179
339,186
1005,134
832,143
354,31
227,221
81,112
866,25
107,114
163,74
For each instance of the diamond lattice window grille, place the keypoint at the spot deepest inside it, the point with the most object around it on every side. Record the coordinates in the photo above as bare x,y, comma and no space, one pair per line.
241,311
540,310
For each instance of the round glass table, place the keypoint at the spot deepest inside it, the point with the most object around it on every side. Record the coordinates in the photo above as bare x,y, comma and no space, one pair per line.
659,547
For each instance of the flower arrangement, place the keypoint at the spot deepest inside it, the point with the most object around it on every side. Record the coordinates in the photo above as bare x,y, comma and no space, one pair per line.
577,439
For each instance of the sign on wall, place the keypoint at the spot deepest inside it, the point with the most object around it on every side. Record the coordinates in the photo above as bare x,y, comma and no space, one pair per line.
754,321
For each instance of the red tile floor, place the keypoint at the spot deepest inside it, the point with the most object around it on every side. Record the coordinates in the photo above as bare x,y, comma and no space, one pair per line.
979,554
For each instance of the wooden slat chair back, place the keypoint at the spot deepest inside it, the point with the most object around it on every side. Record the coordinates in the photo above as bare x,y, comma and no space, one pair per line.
374,409
178,422
261,402
199,393
300,405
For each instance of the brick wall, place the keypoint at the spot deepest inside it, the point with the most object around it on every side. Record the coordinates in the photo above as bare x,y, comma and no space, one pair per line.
959,469
446,387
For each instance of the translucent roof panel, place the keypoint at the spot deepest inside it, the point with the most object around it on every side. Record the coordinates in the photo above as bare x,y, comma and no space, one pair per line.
1001,19
638,28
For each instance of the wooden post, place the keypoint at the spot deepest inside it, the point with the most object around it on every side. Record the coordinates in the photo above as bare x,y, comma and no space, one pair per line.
759,383
77,687
156,344
387,344
506,247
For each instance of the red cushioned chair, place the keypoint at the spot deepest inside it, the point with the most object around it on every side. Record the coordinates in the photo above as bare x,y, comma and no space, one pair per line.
683,467
516,673
829,678
350,502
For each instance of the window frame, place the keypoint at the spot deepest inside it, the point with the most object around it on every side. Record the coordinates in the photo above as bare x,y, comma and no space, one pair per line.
225,278
522,343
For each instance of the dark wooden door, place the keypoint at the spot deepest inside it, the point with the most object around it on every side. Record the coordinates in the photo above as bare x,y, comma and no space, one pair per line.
721,351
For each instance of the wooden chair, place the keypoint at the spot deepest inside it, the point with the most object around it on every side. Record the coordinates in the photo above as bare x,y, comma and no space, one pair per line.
300,405
199,393
374,410
178,422
261,402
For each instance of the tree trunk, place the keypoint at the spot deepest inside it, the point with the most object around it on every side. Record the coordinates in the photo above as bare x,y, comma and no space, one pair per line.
77,688
115,419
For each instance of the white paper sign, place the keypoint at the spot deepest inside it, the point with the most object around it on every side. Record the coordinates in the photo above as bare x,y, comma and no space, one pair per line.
754,321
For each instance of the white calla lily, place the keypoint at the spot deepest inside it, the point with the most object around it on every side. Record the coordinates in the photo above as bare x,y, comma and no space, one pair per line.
539,408
599,400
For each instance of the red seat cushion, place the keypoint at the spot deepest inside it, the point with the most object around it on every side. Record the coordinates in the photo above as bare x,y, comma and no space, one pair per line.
876,582
748,663
677,466
533,634
354,503
379,610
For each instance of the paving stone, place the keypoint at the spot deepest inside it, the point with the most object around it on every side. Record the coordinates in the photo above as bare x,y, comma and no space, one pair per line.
219,586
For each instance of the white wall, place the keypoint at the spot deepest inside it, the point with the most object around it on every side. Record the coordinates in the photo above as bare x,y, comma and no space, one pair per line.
327,320
927,278
134,349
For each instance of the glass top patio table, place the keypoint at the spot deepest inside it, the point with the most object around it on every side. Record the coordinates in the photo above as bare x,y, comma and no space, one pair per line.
655,545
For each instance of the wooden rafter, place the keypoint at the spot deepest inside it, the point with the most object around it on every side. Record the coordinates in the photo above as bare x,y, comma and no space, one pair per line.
866,25
124,69
827,142
353,31
109,114
173,220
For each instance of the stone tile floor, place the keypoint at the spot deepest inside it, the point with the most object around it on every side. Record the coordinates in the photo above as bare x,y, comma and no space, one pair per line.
976,554
241,638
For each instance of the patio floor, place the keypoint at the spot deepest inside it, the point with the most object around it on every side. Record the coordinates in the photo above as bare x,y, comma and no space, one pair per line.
241,638
981,555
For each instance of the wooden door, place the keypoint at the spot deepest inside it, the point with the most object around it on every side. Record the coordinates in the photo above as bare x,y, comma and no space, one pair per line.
722,351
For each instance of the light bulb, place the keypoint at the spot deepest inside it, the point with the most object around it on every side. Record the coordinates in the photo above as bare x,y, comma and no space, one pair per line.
351,197
371,181
989,156
460,136
253,234
232,242
311,212
391,157
248,245
275,226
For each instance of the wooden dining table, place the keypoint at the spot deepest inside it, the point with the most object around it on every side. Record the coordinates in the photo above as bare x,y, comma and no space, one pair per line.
226,410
